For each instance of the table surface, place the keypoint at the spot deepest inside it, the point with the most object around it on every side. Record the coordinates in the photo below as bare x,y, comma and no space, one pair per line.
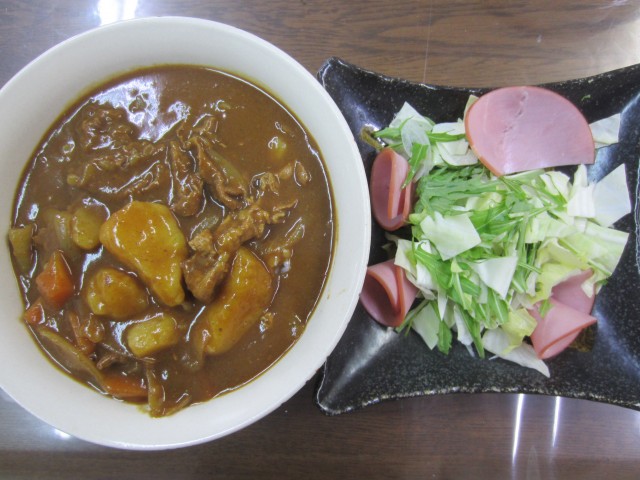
446,42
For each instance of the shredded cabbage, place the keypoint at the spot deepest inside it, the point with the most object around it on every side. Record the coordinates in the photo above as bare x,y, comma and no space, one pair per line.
605,131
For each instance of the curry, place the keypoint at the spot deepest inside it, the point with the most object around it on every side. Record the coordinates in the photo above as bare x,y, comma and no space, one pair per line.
171,236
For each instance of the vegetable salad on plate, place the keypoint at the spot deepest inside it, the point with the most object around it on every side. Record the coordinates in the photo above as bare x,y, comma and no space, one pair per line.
498,250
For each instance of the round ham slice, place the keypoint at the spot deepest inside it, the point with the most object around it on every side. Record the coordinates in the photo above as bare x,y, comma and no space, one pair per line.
514,129
390,203
387,295
569,314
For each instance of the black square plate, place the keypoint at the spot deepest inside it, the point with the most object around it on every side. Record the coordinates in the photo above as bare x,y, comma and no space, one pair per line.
372,363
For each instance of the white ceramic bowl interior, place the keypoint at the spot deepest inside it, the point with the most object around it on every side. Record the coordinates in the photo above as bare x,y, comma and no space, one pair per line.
34,99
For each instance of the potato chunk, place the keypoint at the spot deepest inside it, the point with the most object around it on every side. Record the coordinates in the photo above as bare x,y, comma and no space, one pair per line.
152,335
21,239
147,238
54,233
85,226
245,294
114,293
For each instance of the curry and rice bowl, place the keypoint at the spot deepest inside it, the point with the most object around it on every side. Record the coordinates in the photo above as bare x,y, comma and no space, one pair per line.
171,236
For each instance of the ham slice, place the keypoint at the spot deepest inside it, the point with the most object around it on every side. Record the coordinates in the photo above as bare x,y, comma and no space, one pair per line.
514,129
571,294
568,316
558,328
390,203
387,295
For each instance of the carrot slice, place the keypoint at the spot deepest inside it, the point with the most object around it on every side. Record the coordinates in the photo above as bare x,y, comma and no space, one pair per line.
55,282
34,315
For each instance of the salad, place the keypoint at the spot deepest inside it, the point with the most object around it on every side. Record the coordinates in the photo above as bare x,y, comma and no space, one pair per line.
505,260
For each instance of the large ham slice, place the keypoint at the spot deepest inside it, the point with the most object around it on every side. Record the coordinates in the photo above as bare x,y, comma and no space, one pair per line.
387,294
568,316
390,203
514,129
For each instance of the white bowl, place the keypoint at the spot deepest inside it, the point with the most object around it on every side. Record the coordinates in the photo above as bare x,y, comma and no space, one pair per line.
32,101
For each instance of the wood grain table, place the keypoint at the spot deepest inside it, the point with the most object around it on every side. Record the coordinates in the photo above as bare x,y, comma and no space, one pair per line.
452,42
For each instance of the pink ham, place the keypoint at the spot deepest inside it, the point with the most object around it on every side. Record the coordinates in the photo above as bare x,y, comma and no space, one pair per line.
387,294
567,317
390,203
571,294
514,129
558,328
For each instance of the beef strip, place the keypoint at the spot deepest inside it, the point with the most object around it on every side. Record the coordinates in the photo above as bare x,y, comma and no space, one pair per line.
270,181
107,144
214,250
225,181
103,127
188,185
94,181
277,253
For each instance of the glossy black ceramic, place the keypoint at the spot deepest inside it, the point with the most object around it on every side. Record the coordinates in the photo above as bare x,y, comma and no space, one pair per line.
372,363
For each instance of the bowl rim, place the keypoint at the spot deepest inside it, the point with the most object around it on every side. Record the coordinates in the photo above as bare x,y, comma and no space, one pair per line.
348,293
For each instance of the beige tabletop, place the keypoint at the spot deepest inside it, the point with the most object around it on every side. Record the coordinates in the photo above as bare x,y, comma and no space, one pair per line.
453,42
